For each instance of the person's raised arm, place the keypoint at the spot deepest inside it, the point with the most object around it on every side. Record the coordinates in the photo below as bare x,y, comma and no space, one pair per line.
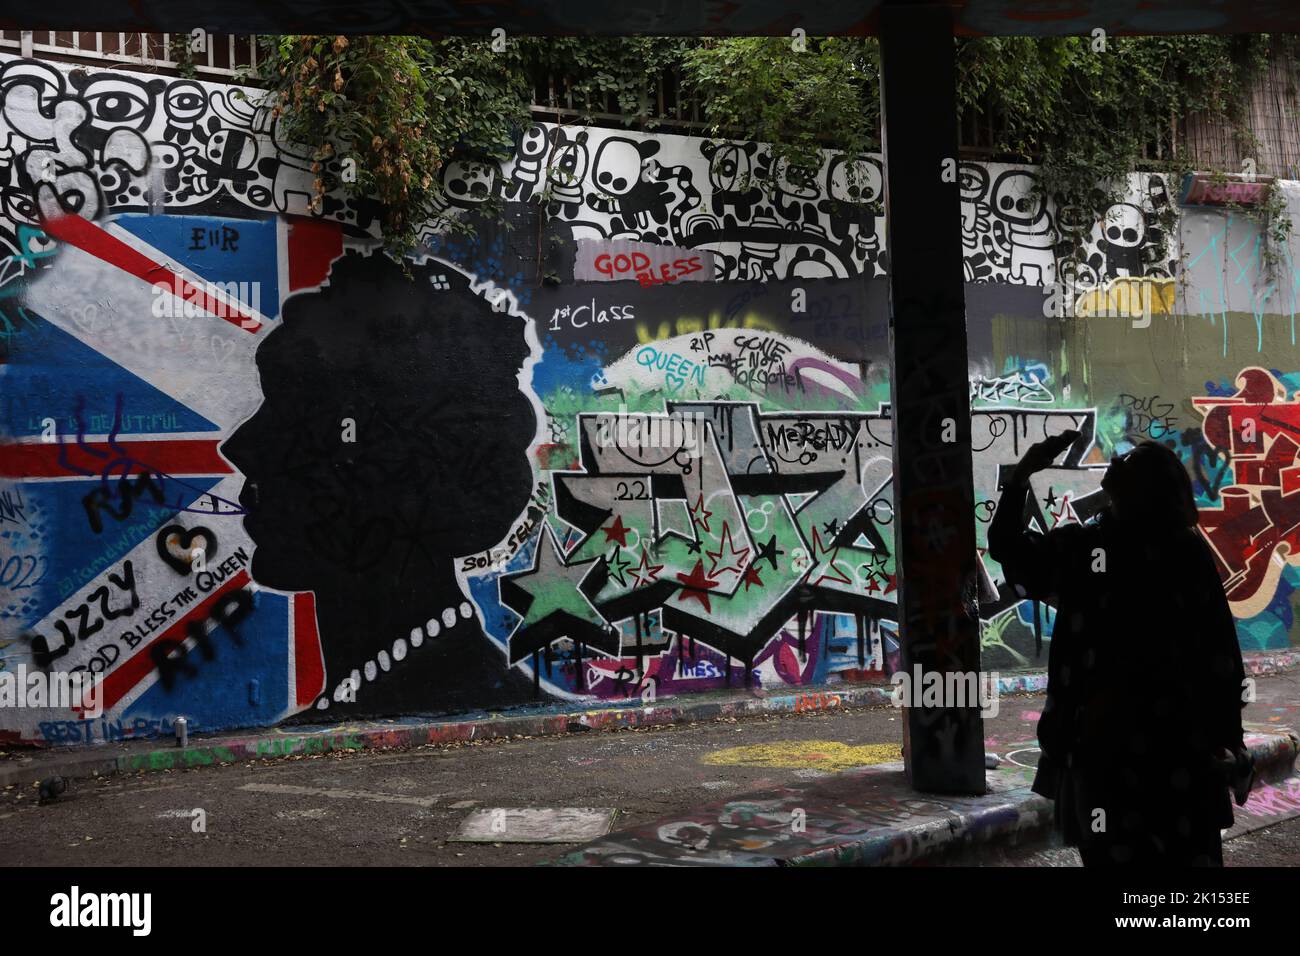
1025,556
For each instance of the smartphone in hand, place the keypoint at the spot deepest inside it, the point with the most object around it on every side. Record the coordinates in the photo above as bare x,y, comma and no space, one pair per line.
1064,440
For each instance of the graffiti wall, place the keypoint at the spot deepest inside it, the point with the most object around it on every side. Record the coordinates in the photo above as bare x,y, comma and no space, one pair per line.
628,439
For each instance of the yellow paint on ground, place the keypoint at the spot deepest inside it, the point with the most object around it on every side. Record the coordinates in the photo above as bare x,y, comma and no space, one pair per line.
821,754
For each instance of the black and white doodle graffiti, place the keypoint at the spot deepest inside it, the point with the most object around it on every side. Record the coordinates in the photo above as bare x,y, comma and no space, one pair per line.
72,141
105,142
1012,234
762,219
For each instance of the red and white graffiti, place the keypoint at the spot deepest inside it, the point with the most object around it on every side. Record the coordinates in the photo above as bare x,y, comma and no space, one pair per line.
1256,530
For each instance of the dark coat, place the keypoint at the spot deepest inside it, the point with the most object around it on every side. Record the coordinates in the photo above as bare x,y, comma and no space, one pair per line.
1144,677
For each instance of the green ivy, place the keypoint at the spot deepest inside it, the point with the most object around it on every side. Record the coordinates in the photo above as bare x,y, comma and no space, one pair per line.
178,50
626,68
801,97
1091,112
396,110
1088,113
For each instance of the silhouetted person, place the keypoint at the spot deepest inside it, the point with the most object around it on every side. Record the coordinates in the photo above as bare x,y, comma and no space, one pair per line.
392,438
1141,732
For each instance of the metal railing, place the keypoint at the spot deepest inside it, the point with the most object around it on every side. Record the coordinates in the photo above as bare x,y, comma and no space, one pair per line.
222,55
669,106
556,98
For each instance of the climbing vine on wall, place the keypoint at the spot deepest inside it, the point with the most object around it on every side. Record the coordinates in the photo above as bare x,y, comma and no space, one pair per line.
801,95
1089,110
393,111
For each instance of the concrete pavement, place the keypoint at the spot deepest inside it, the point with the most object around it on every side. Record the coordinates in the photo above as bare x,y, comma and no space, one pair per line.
870,816
403,807
305,739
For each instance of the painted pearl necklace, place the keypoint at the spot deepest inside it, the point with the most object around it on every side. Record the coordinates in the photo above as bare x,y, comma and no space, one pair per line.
383,662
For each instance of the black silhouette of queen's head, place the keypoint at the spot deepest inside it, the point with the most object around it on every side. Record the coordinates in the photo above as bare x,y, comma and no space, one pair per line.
392,438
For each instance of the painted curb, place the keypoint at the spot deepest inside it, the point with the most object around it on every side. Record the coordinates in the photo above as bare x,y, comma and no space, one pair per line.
92,761
215,751
1019,821
1270,662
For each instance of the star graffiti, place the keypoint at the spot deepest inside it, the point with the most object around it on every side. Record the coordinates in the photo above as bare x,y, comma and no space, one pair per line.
874,583
616,532
1065,514
832,572
700,516
553,600
696,586
645,572
618,566
728,558
768,552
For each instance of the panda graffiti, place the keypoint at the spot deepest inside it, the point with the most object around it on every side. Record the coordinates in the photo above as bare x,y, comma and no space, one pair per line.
526,173
1119,251
623,191
1027,227
854,188
567,172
